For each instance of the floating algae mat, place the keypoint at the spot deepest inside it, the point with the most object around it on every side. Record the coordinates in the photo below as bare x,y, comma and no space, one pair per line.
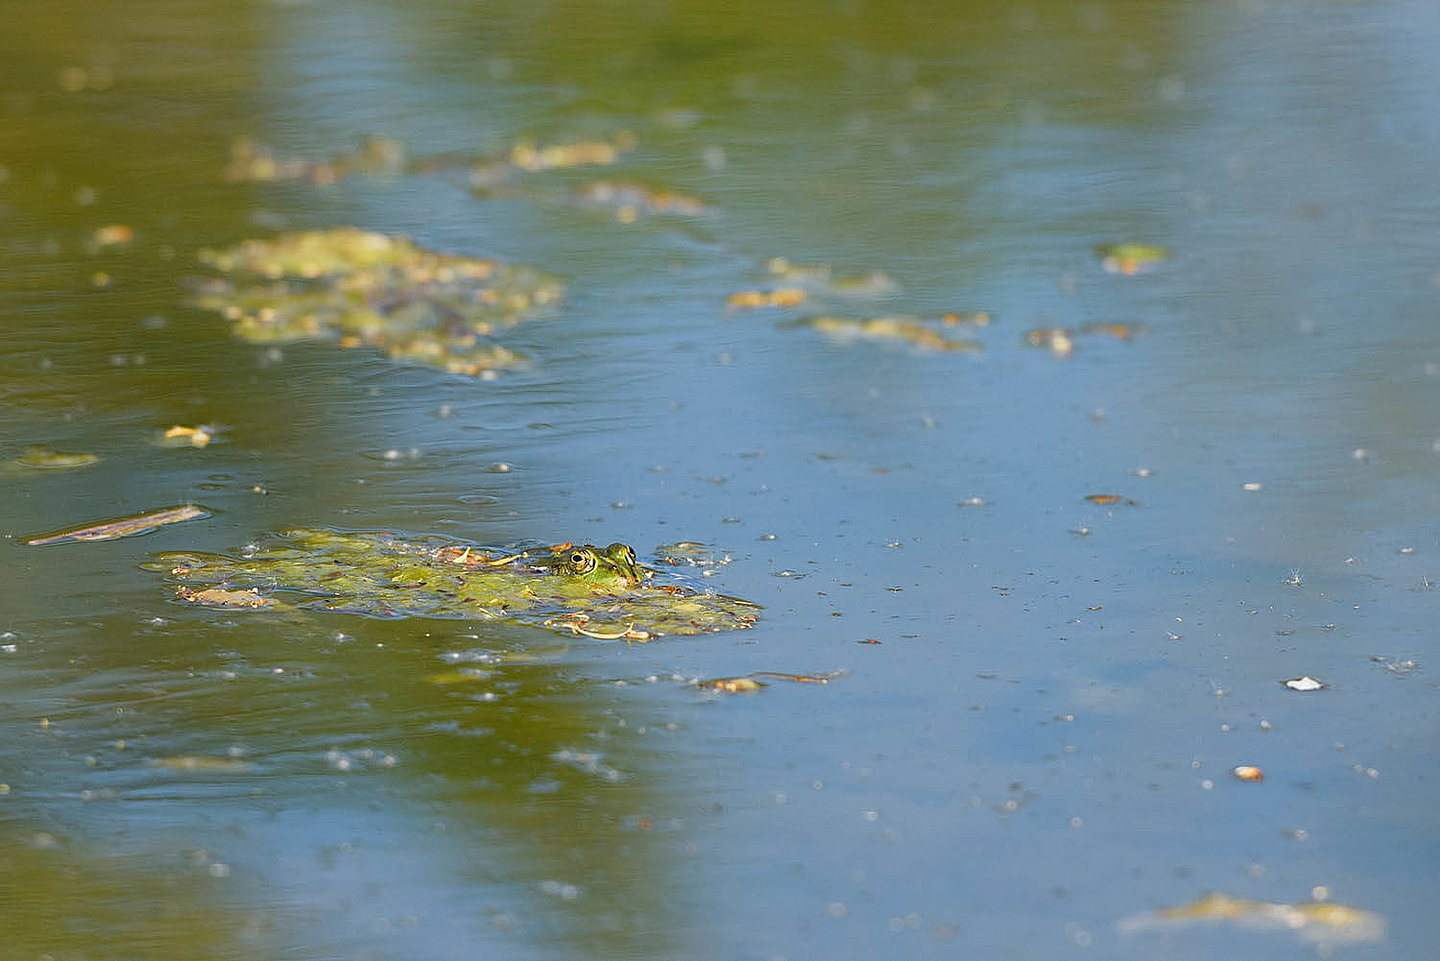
363,289
599,592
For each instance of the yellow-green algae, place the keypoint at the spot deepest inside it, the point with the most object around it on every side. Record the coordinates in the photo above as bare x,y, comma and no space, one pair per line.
359,288
381,574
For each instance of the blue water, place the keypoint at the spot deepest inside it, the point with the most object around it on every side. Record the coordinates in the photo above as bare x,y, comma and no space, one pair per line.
1038,747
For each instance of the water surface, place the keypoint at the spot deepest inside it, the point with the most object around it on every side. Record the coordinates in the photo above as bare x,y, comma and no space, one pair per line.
1038,747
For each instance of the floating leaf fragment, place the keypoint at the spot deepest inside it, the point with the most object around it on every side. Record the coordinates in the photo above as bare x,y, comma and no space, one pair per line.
1130,259
1304,683
123,526
1325,924
1248,772
43,458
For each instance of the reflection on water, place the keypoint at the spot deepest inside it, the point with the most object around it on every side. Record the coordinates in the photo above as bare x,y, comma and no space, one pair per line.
1036,697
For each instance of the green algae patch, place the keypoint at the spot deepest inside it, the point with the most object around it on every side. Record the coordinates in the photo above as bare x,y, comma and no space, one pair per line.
579,590
357,288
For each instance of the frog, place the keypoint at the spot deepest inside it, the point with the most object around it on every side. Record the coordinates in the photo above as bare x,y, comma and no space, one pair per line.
612,568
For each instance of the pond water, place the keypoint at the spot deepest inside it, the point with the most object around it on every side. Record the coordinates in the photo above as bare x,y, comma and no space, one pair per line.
1035,701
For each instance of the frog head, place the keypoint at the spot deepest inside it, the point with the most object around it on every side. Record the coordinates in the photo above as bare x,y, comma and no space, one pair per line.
611,568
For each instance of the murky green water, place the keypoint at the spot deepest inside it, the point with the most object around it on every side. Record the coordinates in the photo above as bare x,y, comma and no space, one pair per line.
1035,755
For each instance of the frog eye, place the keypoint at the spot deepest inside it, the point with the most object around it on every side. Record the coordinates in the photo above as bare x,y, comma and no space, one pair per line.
582,561
622,551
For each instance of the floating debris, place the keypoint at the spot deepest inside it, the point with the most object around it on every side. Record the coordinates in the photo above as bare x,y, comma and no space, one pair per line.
800,678
1304,683
971,318
578,624
1108,500
256,163
732,685
819,279
179,436
754,299
909,330
43,458
446,678
203,763
1060,340
581,590
113,235
1248,772
630,200
583,153
378,156
358,288
1130,259
1396,667
1322,923
1119,331
123,526
751,682
248,599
